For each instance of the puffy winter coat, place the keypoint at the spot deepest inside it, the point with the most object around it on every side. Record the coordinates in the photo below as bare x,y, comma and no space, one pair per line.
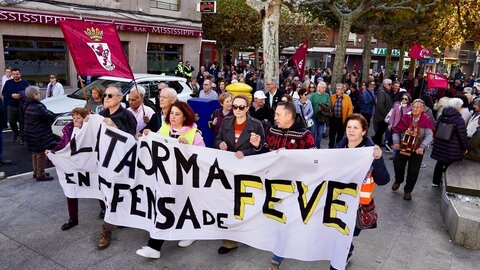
38,126
451,150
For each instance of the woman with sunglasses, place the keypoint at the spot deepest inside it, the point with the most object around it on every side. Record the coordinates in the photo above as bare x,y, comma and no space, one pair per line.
311,89
234,136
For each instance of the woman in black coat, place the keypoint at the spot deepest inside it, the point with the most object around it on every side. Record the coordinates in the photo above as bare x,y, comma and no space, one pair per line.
234,136
38,131
448,151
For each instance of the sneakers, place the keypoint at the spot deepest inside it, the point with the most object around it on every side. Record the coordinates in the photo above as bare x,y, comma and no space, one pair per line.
423,165
148,252
395,186
436,185
185,243
407,196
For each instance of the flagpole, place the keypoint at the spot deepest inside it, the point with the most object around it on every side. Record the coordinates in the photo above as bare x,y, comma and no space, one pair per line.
84,92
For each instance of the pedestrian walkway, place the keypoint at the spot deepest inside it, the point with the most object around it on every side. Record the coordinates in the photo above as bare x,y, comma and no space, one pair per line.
410,235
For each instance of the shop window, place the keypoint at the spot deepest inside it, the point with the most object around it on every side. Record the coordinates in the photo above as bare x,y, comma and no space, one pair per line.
322,38
163,58
37,58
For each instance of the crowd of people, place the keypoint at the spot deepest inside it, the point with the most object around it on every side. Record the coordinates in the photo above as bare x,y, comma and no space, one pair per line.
283,112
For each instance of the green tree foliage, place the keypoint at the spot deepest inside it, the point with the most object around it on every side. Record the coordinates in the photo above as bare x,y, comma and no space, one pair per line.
234,26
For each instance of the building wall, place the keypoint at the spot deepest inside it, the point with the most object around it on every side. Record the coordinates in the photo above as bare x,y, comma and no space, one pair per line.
141,14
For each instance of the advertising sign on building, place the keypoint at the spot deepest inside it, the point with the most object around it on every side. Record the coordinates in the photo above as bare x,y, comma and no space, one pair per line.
207,7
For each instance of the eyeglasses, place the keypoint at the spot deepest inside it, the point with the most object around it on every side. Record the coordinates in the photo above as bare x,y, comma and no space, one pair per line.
312,87
109,95
405,99
239,107
52,77
372,84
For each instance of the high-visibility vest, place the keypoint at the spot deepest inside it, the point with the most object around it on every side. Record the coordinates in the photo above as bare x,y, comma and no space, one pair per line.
366,190
187,71
180,69
189,135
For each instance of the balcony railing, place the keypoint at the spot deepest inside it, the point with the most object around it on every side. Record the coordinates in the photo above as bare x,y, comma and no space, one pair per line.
165,5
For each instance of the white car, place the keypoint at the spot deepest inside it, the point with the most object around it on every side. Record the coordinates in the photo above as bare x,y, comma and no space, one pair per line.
64,104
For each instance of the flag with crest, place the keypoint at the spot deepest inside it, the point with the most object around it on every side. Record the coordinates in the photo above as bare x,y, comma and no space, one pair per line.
96,49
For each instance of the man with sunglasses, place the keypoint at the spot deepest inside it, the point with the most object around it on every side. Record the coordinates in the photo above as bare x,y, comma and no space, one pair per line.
118,117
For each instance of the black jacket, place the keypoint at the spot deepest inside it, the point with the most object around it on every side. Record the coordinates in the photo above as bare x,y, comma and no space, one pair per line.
227,135
123,119
451,150
38,126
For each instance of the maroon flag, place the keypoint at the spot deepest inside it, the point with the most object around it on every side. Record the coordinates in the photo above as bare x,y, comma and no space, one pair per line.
418,51
96,49
435,80
300,57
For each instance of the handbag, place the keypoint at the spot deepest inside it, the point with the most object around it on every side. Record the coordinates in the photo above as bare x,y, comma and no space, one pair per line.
309,122
444,131
367,216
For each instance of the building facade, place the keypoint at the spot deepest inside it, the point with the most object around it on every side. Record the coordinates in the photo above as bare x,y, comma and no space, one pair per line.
155,35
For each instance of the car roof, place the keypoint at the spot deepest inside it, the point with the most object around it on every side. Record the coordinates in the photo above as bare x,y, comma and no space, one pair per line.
141,76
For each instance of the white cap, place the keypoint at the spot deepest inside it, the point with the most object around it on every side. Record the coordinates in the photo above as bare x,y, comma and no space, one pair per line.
234,81
259,95
402,90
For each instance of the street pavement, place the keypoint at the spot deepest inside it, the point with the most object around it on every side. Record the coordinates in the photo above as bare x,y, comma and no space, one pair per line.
410,235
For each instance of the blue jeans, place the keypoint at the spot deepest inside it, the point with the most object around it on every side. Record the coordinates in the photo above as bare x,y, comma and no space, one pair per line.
317,131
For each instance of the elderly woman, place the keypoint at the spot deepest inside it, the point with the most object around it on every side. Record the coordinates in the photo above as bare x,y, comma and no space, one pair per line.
219,114
38,131
356,136
78,115
234,136
447,151
95,102
411,146
179,124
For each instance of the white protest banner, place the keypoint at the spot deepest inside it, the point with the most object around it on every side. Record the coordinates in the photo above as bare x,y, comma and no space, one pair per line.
298,204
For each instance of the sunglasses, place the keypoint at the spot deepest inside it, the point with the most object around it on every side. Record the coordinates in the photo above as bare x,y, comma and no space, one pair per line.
405,99
109,95
241,107
52,78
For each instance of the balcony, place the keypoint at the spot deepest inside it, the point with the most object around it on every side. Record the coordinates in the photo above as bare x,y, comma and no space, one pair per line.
171,5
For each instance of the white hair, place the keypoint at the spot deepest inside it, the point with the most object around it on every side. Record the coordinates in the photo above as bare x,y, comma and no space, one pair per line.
322,83
386,81
139,89
455,103
171,92
31,90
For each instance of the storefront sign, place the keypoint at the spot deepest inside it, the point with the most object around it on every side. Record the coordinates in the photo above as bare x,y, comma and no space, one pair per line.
48,18
383,51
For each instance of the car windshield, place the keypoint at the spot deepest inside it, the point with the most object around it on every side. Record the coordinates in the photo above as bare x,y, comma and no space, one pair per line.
102,84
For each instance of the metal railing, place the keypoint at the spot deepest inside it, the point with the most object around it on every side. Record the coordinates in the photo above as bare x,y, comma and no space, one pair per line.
164,5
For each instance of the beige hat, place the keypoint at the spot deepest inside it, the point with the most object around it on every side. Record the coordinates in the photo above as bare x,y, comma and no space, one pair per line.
259,95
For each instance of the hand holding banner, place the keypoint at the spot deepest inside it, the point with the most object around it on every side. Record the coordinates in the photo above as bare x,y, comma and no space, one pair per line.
96,49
